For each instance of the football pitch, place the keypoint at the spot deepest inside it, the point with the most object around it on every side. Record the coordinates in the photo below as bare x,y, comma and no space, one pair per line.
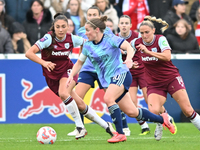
23,137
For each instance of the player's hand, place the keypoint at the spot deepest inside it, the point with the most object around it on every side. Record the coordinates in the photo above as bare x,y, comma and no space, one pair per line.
123,52
49,65
135,65
129,63
69,80
142,48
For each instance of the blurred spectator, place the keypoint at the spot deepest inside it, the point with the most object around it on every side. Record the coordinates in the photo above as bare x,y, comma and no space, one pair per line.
117,4
18,8
193,11
19,40
76,14
38,21
71,26
110,24
159,8
183,41
197,25
108,10
86,4
55,6
177,12
5,41
5,19
136,10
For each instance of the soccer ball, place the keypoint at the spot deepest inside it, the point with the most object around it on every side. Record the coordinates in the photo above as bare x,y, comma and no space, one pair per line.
46,135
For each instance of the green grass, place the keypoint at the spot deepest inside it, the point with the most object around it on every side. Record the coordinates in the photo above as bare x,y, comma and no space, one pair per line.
23,137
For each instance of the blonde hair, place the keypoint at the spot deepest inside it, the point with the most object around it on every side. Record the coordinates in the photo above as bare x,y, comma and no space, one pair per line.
149,22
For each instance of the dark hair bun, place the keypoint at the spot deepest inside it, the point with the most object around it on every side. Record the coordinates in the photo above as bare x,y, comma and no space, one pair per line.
103,18
57,14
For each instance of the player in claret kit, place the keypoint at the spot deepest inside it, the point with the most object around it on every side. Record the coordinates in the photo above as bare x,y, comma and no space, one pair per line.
55,47
161,75
103,50
137,73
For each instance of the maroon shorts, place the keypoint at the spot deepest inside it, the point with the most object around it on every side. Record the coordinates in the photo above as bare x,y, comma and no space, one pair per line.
54,84
138,81
170,88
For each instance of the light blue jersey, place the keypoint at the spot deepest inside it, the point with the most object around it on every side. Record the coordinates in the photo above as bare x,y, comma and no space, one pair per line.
106,57
88,66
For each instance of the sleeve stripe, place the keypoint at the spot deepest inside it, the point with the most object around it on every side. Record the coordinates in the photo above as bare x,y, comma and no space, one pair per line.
166,48
40,48
121,43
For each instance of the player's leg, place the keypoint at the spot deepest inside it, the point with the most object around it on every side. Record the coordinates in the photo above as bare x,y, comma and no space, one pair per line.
119,86
85,82
129,108
111,94
81,89
182,99
155,102
144,126
163,110
71,104
86,110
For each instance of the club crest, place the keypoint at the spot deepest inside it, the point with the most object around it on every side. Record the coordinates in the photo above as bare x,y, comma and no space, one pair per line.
154,49
67,45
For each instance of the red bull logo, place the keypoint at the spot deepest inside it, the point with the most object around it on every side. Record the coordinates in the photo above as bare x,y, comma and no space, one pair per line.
40,100
46,99
2,98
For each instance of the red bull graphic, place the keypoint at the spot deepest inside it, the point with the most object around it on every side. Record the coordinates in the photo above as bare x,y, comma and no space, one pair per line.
2,98
46,99
40,100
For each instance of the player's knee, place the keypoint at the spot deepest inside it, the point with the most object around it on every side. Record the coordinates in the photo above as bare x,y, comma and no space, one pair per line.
154,111
108,100
63,95
131,113
188,112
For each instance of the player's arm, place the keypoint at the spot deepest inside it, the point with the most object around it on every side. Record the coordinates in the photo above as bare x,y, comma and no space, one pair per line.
130,53
78,65
165,54
31,54
76,68
39,45
81,47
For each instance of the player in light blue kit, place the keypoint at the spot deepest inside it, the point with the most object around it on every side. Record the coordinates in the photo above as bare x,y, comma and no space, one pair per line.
88,75
104,52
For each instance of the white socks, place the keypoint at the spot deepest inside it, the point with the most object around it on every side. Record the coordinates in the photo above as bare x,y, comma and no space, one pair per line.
196,121
74,112
144,125
91,114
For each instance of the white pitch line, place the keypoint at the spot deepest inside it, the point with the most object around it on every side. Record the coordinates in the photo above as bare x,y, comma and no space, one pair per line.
2,140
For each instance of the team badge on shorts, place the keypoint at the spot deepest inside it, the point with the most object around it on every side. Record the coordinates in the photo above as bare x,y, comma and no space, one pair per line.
66,45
